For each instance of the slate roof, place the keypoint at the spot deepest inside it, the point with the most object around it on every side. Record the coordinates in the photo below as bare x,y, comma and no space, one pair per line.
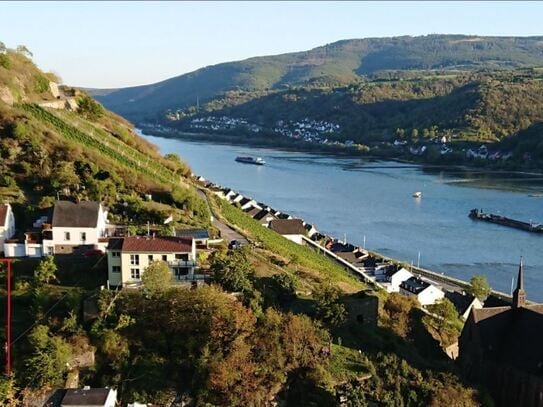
194,233
288,226
512,336
78,215
85,397
460,301
262,214
414,285
3,214
160,244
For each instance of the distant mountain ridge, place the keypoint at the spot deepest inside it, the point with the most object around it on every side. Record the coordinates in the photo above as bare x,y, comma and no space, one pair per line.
339,62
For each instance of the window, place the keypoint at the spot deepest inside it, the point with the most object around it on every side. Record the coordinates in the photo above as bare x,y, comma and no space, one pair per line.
181,271
50,251
135,274
164,257
83,236
135,259
184,256
115,254
116,269
150,258
67,236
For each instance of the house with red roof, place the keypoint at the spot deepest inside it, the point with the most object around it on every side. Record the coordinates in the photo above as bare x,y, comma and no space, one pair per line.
129,257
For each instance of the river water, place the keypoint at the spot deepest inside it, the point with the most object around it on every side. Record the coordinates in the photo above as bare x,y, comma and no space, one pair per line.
372,201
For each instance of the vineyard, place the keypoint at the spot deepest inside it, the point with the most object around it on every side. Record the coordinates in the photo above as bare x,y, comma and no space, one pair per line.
115,149
276,243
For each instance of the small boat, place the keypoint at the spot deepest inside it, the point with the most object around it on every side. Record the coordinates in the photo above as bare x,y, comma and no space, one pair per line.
536,195
250,160
417,194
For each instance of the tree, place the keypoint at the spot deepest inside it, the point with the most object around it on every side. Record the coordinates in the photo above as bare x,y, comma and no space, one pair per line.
446,313
64,176
233,271
414,134
50,357
23,50
157,277
479,287
287,284
45,272
89,107
329,307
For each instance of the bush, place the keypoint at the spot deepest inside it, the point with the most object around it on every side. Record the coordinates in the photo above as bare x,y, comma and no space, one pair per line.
90,108
329,307
41,84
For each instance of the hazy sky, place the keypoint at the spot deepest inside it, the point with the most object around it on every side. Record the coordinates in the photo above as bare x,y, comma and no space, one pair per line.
122,43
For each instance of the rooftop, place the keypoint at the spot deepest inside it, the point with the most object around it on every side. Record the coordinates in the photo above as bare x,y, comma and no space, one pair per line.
415,285
79,215
194,233
85,397
288,226
161,244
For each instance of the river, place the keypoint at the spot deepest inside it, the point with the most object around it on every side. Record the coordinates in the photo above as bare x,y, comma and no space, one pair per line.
372,201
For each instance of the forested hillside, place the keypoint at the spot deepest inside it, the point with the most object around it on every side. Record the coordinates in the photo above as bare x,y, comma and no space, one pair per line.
332,64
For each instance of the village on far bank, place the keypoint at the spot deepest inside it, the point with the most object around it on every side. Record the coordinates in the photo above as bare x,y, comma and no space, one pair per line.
80,229
326,133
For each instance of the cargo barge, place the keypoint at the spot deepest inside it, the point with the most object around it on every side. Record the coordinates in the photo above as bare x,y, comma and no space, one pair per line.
502,220
251,160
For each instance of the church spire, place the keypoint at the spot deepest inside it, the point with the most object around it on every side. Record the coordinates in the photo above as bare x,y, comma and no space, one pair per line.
519,295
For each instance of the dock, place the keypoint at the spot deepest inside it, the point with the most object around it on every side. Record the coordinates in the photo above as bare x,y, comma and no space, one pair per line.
502,220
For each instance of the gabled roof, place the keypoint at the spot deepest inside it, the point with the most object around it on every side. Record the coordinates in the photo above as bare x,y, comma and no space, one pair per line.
3,213
144,244
461,301
245,200
85,397
288,226
263,214
81,215
252,211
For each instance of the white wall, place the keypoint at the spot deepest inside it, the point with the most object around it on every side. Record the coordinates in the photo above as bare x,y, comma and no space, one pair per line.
7,230
430,295
14,250
397,278
295,238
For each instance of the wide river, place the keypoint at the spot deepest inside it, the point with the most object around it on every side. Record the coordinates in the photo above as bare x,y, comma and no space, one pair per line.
372,201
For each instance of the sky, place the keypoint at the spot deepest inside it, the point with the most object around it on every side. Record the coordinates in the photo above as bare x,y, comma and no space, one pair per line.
120,44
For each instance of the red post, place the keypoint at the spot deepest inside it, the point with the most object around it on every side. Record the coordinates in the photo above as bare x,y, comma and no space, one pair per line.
8,317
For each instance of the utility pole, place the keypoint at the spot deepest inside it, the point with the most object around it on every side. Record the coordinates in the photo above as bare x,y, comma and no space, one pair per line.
8,316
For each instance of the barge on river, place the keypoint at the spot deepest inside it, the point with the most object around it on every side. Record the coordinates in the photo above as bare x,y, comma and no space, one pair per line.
251,160
502,220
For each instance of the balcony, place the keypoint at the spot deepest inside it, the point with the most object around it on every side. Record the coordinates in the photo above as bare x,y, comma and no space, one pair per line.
181,263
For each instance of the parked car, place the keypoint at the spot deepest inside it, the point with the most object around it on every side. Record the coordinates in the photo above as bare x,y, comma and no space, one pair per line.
234,244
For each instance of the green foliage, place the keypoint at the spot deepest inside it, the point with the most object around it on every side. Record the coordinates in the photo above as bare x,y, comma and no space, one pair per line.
233,271
89,108
157,277
328,305
284,247
41,84
397,311
5,61
287,284
49,359
46,270
479,287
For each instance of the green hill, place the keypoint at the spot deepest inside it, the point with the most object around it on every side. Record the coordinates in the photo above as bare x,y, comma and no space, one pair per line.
85,152
337,63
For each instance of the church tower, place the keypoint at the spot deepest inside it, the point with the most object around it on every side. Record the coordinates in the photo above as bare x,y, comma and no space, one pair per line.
519,295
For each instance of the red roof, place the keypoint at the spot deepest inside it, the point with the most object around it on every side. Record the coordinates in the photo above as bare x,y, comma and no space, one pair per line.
3,213
151,244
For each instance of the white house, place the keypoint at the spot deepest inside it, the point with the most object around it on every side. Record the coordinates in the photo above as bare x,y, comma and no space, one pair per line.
292,229
463,302
394,278
75,224
7,224
99,397
425,292
128,258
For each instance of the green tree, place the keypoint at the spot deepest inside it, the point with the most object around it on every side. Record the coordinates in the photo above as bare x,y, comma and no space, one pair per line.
287,284
233,271
50,357
479,287
446,313
45,272
64,176
89,107
157,277
414,134
329,307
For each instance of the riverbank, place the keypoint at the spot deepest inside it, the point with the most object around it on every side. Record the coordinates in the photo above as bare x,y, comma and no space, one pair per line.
285,144
448,283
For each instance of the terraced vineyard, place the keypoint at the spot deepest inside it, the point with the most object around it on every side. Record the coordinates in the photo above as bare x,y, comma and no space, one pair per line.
115,149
